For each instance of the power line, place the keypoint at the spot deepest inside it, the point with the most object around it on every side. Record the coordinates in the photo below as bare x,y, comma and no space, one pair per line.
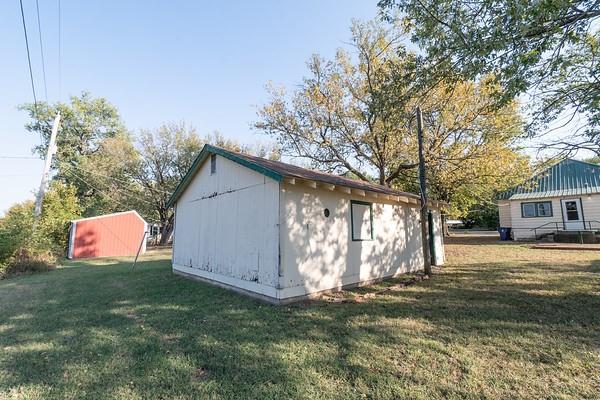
59,54
28,57
127,192
37,6
114,178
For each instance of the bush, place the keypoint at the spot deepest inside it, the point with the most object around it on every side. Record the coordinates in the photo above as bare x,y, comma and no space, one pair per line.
23,262
24,249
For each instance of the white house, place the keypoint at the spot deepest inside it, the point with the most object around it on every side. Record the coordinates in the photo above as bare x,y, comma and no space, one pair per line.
283,233
562,200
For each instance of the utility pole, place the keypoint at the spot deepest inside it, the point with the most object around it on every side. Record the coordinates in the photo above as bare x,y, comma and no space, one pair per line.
424,208
49,154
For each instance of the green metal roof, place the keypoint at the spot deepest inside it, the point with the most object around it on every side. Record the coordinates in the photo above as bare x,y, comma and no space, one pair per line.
566,178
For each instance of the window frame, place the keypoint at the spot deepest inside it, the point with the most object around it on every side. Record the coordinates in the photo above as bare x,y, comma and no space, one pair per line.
363,203
577,210
536,209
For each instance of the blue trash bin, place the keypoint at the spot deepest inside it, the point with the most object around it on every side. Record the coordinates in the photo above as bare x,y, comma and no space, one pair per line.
504,233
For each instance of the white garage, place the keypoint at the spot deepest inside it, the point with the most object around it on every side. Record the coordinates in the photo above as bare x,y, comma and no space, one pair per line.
284,233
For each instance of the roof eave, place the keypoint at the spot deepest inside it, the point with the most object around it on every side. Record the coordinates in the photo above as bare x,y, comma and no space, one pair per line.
275,175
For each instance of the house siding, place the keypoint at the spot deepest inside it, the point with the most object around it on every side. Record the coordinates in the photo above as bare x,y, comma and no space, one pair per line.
318,253
591,209
522,227
226,228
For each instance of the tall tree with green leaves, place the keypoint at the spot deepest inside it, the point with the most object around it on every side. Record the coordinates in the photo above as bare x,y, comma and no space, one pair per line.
357,114
163,157
549,49
341,118
86,124
471,146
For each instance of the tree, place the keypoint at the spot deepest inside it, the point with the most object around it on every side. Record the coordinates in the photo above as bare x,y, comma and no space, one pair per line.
86,124
470,146
548,48
359,117
162,159
60,206
105,181
339,118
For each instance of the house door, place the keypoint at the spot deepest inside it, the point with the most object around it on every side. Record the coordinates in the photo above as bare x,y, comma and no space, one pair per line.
572,214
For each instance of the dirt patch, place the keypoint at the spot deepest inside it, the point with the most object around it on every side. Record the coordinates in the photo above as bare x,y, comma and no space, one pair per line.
345,297
200,374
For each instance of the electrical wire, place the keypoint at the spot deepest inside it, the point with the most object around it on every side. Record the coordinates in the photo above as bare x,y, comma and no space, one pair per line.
37,7
59,54
28,57
19,157
127,192
113,178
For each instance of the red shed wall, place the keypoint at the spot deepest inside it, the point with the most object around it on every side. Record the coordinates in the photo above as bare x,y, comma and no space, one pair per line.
108,236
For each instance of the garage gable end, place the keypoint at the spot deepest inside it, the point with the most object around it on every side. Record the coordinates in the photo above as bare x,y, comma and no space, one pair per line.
208,150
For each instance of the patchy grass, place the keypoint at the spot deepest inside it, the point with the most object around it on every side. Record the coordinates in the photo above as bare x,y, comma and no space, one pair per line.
500,321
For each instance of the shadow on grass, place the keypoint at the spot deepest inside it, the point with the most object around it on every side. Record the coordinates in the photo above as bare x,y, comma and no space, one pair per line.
103,331
594,267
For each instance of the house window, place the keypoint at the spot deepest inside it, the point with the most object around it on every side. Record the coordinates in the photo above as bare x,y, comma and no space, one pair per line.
361,219
536,209
213,164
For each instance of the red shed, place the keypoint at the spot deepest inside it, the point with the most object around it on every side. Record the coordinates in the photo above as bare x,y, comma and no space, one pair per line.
110,235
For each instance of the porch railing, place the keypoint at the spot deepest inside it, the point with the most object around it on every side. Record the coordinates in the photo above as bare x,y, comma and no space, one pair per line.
552,227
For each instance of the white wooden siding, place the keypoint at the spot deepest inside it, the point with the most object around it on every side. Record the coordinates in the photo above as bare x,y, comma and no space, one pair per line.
591,209
318,253
522,227
227,227
239,228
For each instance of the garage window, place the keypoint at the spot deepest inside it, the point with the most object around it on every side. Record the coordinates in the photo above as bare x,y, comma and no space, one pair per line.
361,218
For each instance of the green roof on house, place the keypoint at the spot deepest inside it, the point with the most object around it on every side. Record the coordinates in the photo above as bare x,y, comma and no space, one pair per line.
565,178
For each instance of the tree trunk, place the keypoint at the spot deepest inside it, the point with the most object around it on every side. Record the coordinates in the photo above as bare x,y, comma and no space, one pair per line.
423,187
167,230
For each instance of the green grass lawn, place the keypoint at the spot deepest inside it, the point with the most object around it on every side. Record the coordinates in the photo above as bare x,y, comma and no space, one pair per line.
499,321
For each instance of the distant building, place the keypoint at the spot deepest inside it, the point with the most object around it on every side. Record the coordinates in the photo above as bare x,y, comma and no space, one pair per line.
564,198
110,235
283,233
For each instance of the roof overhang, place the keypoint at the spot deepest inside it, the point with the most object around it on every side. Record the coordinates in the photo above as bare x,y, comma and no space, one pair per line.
374,194
398,197
555,193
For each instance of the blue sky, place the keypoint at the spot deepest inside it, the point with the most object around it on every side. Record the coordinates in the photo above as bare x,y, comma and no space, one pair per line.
205,63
